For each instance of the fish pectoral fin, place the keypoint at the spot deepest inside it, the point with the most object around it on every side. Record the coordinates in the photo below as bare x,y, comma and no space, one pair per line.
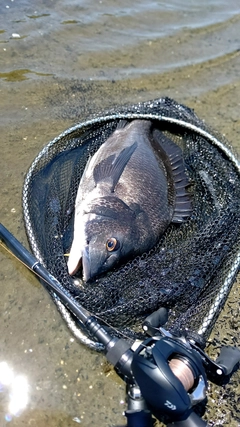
113,166
74,260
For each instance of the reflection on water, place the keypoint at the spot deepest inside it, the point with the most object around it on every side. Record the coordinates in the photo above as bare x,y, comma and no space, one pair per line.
14,391
19,75
99,38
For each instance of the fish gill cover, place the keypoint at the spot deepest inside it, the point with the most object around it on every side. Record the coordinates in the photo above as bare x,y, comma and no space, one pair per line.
193,265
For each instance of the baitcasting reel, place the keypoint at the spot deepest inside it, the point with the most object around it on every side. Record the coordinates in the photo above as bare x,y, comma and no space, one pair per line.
165,375
171,375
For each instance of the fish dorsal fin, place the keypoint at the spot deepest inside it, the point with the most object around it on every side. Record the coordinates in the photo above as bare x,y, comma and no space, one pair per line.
111,168
176,168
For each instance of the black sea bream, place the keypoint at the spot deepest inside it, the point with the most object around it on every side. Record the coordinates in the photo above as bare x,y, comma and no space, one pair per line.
130,191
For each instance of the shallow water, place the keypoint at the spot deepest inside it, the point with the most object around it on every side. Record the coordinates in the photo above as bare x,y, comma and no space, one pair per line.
59,63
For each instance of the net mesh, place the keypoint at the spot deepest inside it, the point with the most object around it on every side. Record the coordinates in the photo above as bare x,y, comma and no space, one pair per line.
191,269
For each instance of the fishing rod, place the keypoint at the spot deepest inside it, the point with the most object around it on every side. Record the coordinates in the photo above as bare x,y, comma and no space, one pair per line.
166,376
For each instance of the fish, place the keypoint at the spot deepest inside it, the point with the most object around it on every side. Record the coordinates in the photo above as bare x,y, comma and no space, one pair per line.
132,188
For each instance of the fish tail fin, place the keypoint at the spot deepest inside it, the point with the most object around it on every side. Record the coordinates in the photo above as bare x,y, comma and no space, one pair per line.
113,166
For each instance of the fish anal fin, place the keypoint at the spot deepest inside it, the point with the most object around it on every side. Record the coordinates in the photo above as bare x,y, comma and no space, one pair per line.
111,168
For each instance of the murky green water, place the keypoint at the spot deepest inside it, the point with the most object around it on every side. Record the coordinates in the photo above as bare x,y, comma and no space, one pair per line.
59,62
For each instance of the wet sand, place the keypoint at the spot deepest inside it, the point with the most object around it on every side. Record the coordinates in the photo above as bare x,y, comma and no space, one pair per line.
70,384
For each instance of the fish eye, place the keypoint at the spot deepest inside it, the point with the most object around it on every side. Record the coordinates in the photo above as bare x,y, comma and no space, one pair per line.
111,244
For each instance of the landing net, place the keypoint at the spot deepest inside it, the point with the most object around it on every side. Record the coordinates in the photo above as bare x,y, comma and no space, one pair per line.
193,266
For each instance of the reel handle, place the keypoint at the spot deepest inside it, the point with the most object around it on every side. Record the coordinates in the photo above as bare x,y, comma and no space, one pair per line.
228,358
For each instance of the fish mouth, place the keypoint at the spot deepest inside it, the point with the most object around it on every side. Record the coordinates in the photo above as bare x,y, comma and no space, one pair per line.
93,263
74,263
86,266
82,262
78,262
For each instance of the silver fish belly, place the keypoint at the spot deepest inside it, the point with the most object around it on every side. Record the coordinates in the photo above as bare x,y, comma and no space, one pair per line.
130,191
